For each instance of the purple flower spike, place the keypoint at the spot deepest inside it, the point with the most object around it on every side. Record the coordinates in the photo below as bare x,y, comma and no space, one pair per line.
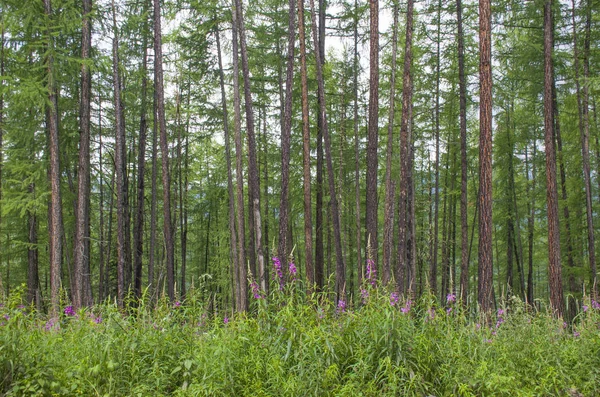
406,307
364,294
450,298
576,334
177,304
394,298
277,266
585,308
341,307
98,320
371,272
255,290
501,312
595,305
293,269
69,311
226,320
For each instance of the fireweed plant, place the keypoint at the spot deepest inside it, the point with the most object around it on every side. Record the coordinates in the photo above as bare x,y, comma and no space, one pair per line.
292,344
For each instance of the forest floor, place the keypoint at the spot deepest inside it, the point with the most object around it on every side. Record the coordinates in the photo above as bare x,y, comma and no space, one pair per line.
298,346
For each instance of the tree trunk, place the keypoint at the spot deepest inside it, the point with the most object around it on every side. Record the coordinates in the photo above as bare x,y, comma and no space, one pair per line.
82,292
55,229
390,191
530,221
230,194
138,230
241,228
554,267
373,134
286,134
436,200
32,256
308,241
464,227
164,148
405,163
356,151
254,183
340,281
485,271
584,132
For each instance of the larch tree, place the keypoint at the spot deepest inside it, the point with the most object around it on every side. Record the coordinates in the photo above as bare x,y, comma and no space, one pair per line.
373,134
484,290
554,266
82,290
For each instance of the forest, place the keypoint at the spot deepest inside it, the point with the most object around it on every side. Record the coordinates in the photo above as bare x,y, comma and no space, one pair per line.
171,163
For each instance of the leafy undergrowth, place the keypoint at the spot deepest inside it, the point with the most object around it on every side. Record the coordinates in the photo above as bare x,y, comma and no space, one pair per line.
293,346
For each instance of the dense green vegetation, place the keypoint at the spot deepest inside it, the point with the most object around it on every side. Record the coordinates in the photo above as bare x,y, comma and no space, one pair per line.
295,345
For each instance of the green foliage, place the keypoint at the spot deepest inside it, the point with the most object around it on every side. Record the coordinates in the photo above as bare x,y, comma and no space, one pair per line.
292,346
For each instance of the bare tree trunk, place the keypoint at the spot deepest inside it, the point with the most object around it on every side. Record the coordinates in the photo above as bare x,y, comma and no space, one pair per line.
436,201
485,158
231,196
120,170
55,229
254,183
390,188
241,228
373,134
356,152
152,281
584,132
308,241
138,230
340,265
32,255
464,226
101,242
286,134
554,267
530,221
82,292
164,148
405,163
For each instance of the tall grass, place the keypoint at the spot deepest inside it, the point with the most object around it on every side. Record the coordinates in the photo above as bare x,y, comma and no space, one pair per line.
295,345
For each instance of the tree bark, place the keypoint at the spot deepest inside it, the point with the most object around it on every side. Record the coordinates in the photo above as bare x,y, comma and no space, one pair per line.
340,282
554,266
464,226
405,163
254,183
373,134
356,71
286,134
32,256
82,291
241,228
485,158
308,239
55,229
390,188
164,148
436,201
138,230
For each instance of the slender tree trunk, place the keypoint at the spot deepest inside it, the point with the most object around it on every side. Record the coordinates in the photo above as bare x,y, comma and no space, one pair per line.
120,170
241,228
253,176
82,292
164,148
308,239
101,242
373,134
32,255
530,222
436,202
340,265
230,194
356,151
485,158
584,132
388,218
152,281
55,229
464,226
138,230
286,134
554,267
405,163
